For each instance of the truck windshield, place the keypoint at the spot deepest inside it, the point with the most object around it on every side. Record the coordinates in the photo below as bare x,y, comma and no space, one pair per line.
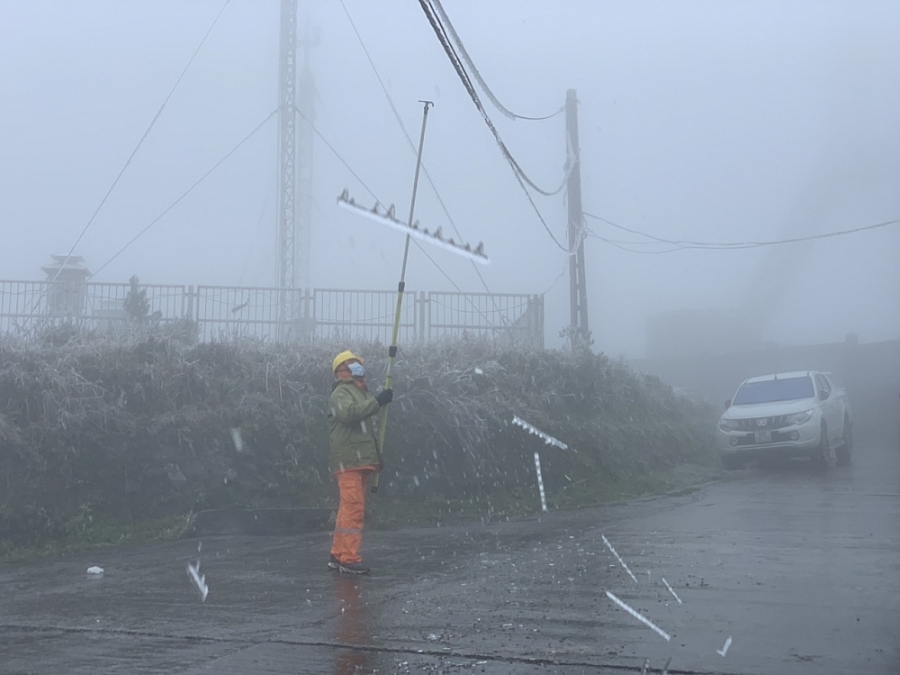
766,391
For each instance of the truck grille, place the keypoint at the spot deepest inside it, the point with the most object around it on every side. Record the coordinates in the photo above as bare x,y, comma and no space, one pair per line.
763,423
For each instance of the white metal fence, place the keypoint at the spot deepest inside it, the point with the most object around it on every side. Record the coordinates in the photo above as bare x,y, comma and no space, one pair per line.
222,313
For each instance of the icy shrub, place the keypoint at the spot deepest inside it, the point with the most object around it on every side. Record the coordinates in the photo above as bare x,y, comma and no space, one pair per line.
121,430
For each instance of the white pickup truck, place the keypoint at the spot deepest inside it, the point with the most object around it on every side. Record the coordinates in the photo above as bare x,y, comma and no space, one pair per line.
800,414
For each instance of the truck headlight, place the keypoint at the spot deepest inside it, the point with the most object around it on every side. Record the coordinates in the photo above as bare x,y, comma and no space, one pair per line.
729,425
799,418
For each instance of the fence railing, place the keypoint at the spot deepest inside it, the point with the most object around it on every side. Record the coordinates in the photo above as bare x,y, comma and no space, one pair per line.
233,312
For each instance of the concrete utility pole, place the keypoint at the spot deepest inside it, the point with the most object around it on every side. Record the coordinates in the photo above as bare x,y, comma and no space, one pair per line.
287,179
578,332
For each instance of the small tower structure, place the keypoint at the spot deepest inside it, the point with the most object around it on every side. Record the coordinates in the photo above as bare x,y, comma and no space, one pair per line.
67,275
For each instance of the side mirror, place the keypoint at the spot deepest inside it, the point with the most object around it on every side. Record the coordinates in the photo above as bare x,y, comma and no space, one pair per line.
727,403
823,395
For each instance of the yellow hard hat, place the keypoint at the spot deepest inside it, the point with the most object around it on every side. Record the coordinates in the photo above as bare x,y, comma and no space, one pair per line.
343,357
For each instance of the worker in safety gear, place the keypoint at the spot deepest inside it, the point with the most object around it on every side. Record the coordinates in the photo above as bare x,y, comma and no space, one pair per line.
355,455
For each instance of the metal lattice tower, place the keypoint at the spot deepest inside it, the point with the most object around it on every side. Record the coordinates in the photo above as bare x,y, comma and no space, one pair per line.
287,178
305,138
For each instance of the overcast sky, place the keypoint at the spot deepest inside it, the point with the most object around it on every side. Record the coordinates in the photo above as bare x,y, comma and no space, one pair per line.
704,121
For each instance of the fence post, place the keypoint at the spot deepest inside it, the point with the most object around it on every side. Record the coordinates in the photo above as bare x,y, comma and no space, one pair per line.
420,311
188,312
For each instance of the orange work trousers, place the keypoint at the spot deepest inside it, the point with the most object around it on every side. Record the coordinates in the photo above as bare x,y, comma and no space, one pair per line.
348,527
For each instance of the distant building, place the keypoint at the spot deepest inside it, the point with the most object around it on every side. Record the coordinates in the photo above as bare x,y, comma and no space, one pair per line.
690,333
66,295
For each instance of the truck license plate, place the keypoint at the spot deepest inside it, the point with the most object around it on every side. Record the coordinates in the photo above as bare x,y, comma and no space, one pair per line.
763,436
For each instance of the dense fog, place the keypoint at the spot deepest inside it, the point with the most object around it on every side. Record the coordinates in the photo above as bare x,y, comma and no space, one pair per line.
700,122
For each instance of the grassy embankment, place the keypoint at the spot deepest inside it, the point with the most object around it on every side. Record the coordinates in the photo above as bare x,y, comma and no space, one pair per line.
103,440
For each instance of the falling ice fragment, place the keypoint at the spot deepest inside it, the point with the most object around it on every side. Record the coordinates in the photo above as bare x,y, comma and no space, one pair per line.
549,440
198,579
671,591
724,650
479,371
236,438
389,218
540,479
640,617
621,562
97,571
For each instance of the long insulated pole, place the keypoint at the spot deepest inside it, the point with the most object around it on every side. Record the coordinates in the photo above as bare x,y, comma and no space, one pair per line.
392,351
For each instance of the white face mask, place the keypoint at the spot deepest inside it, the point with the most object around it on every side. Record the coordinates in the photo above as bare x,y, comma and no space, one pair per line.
356,369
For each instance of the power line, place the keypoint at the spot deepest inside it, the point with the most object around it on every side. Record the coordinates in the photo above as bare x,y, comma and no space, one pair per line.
140,142
624,245
558,276
375,197
397,116
443,36
188,191
259,223
455,60
737,245
468,60
336,153
409,140
517,171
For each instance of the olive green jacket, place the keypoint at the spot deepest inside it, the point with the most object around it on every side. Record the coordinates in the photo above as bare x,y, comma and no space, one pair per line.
351,418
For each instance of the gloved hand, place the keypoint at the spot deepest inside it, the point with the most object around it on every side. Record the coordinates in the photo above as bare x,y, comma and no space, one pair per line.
384,397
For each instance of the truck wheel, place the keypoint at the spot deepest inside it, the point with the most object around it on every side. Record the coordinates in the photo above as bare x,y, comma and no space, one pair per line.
825,458
845,452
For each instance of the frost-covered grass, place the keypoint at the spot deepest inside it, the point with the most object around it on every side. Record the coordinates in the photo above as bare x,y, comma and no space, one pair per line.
84,534
128,430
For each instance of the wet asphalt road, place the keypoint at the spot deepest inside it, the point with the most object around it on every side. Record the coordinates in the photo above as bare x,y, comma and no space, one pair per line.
801,568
